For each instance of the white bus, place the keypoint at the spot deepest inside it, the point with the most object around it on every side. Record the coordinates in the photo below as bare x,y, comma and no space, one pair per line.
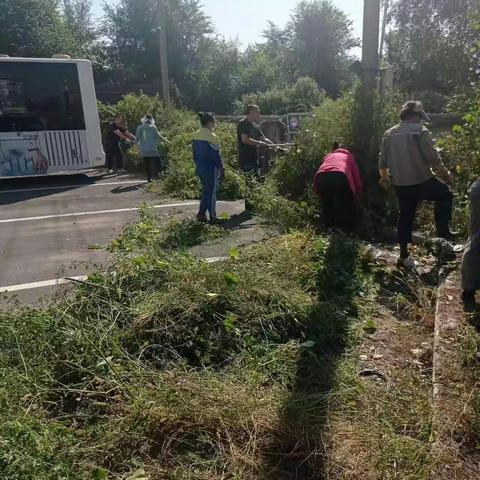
48,117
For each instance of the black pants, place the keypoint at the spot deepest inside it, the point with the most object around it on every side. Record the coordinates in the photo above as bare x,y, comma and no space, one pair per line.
152,167
114,159
433,190
337,199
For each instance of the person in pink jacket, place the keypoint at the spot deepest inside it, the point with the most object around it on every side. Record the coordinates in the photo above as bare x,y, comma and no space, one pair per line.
339,185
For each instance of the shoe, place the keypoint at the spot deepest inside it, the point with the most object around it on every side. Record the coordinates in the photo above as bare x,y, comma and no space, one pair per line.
449,236
407,263
202,218
469,301
110,171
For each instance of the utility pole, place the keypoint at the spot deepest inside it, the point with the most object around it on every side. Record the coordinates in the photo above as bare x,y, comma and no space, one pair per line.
162,40
370,60
386,5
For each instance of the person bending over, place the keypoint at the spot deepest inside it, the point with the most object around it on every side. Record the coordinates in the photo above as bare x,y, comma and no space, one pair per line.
209,166
338,184
116,132
408,159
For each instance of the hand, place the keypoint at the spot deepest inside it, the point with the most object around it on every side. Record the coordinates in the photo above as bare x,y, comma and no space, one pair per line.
449,177
221,175
385,182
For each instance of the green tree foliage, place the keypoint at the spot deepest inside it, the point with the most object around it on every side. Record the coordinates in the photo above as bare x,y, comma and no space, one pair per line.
303,95
216,78
132,26
320,37
430,45
34,28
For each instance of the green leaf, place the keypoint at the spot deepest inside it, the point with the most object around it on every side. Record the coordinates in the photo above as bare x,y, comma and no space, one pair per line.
370,327
234,253
231,279
229,322
140,260
100,474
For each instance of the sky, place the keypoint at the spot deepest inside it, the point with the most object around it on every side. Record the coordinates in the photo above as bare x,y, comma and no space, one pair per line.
246,19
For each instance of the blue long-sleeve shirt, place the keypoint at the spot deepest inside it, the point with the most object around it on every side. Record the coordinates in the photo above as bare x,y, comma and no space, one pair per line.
206,151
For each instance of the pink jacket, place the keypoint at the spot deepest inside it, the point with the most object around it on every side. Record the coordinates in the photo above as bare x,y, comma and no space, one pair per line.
343,161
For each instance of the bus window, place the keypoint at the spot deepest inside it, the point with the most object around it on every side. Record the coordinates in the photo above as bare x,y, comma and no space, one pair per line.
37,96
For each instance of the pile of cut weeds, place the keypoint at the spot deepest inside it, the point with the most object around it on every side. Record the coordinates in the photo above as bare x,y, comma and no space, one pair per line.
171,367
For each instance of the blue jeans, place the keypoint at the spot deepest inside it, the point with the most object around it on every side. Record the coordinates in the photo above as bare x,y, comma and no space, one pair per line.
209,180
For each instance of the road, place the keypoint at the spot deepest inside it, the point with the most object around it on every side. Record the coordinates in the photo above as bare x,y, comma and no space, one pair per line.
57,227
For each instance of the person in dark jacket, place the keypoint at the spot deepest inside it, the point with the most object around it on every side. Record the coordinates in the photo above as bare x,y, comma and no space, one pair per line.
116,133
471,258
338,184
209,166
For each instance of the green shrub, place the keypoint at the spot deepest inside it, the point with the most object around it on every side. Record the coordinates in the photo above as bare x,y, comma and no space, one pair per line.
178,126
303,95
461,152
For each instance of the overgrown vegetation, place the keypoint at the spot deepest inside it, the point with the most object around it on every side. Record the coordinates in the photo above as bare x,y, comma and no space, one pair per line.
184,369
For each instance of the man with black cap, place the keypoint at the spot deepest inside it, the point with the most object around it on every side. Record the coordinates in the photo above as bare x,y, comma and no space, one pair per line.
408,159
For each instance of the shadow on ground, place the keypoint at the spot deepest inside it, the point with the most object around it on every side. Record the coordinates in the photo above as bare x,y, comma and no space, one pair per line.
297,452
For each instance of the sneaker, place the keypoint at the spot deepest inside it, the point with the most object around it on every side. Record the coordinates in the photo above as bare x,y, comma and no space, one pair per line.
449,235
202,218
469,300
407,263
110,171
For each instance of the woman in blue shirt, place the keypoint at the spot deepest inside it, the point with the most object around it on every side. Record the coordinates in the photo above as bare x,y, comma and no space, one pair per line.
209,166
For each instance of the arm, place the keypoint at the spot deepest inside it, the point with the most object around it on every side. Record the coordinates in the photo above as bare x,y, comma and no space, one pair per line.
123,135
432,157
250,141
137,136
216,156
356,174
383,166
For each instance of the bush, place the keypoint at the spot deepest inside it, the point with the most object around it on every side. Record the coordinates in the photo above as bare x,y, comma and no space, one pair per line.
171,365
303,95
461,152
178,126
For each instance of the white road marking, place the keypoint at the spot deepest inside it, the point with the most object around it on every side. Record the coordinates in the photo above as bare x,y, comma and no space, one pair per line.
63,281
42,284
215,259
97,212
67,187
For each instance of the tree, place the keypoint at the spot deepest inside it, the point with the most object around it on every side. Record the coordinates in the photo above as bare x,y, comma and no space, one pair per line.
430,44
216,79
32,28
40,28
78,19
132,26
303,95
319,39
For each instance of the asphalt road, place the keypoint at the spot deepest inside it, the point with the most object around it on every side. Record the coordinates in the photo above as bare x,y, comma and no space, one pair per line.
57,227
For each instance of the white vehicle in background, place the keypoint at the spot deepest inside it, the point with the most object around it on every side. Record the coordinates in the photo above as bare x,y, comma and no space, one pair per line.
48,117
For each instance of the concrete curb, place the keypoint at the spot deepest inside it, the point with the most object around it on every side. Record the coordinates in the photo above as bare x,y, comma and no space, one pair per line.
449,380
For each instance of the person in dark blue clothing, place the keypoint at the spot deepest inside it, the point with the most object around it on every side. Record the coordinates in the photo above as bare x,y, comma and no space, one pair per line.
209,166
